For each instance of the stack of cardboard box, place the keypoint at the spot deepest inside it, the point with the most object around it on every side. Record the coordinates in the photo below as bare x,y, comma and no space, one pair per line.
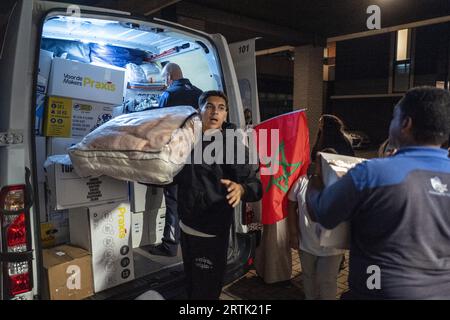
92,214
67,273
81,98
105,231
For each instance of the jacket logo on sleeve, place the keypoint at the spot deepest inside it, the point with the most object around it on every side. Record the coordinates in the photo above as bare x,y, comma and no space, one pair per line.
438,186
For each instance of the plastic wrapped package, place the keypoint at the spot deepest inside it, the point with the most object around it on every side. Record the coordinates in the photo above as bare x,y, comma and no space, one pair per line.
149,147
135,73
152,73
116,56
134,105
72,50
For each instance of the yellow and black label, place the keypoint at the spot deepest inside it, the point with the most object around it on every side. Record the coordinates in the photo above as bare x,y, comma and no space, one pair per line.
58,117
48,231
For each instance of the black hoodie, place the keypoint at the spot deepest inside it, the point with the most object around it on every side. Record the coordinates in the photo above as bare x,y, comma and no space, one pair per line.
202,203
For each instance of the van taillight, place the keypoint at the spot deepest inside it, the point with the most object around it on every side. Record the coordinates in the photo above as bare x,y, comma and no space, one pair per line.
15,238
20,284
16,234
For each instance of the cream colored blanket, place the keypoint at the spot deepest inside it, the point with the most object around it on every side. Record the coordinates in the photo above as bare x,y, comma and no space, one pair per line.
150,146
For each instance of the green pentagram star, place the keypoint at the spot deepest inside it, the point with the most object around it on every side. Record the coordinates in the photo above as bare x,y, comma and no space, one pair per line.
282,182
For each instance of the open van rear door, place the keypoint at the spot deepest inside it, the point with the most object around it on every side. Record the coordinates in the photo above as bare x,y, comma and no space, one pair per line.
17,274
20,252
19,225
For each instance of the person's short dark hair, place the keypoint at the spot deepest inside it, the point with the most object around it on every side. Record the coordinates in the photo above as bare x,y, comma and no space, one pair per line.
211,93
429,110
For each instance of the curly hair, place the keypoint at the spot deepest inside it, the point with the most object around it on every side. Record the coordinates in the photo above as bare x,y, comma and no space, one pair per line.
429,110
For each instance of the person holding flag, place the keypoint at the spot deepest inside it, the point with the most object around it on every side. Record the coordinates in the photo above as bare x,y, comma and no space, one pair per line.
284,152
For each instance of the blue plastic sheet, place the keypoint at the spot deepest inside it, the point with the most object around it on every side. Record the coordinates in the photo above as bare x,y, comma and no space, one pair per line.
75,50
116,56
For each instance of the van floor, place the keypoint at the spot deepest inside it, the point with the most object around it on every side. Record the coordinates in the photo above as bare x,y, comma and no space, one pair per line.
146,263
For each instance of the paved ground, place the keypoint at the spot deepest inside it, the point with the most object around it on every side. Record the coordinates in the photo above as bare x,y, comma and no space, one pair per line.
252,287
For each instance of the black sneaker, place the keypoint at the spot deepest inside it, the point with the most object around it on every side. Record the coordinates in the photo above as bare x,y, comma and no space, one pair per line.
160,250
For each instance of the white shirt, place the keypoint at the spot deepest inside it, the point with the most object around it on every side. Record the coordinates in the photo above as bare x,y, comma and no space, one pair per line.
310,231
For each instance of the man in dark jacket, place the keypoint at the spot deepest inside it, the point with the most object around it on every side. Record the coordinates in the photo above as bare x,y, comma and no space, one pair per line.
207,196
180,92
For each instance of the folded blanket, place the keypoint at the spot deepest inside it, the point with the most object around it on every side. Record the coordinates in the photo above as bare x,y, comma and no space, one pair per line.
149,147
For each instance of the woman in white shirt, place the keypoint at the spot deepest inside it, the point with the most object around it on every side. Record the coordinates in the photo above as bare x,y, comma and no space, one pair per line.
320,265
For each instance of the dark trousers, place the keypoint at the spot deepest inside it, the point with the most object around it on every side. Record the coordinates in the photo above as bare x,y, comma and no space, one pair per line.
205,261
171,235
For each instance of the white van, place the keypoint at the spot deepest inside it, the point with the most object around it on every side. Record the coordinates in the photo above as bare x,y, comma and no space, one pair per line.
34,25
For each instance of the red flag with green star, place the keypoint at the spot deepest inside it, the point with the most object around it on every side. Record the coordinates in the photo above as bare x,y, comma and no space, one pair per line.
290,151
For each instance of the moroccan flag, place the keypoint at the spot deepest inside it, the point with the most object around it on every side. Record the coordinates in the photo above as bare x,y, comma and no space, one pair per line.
284,157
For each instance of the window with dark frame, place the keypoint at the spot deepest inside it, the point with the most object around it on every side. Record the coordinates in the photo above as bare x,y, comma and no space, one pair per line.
402,61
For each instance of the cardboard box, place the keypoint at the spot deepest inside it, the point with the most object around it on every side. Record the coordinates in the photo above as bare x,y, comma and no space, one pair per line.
145,198
67,273
84,81
67,190
59,146
140,229
105,231
58,117
137,196
148,227
45,63
70,118
55,231
157,219
333,168
154,199
40,113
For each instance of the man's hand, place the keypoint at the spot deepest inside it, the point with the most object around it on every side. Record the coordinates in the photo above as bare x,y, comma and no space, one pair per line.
235,192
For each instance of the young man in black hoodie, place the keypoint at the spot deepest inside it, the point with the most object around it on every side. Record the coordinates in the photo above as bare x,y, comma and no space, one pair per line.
207,196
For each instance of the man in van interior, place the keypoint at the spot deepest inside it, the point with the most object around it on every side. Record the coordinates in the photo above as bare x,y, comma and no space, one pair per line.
180,92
